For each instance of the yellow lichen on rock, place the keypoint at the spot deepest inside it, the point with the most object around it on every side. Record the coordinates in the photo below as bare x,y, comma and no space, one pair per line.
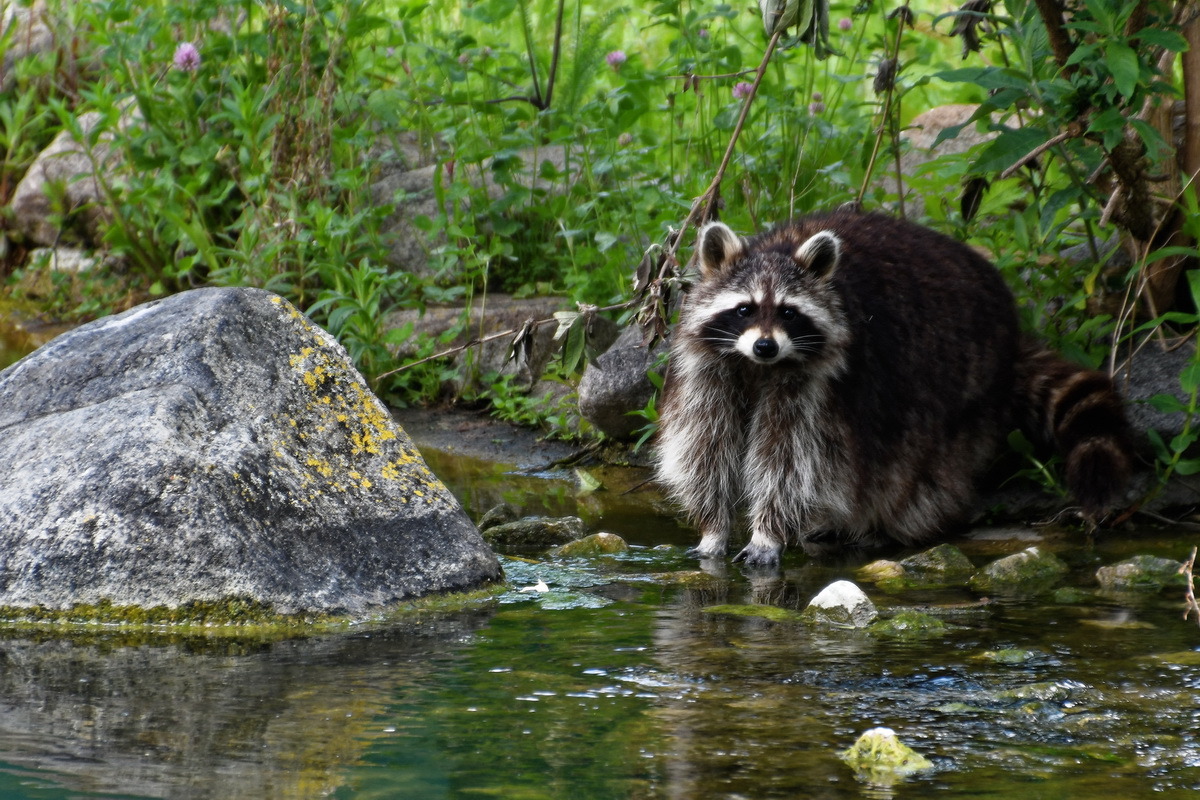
375,449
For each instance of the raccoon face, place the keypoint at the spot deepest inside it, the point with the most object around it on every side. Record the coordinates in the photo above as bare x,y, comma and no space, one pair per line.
770,306
762,327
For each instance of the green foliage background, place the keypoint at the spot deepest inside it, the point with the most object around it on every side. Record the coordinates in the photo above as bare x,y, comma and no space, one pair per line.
257,168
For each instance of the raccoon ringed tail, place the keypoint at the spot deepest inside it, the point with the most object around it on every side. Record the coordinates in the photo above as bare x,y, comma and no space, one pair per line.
1080,412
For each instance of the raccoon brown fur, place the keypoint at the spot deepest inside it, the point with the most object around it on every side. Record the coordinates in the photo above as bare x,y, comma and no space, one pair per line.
848,377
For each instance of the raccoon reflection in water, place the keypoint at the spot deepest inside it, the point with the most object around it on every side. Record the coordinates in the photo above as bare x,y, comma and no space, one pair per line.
848,378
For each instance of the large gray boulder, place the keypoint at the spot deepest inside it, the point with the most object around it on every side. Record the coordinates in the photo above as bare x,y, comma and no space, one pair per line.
210,446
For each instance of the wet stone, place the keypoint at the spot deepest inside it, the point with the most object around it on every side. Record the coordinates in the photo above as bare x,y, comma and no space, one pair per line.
1148,573
880,570
910,625
841,604
535,532
1029,570
880,758
1010,656
498,515
942,562
771,613
597,544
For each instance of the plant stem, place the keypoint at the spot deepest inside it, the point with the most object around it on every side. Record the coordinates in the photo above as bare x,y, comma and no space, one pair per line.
705,206
887,111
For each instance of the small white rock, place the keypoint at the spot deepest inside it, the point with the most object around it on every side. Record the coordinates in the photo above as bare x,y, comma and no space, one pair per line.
844,604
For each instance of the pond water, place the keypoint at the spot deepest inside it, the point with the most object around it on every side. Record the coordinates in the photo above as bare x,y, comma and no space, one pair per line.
618,683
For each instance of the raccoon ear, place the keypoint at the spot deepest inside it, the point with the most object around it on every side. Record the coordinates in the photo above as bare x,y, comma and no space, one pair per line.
821,253
717,245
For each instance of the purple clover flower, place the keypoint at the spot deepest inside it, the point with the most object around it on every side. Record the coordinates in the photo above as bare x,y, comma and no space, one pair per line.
615,59
187,57
845,24
742,89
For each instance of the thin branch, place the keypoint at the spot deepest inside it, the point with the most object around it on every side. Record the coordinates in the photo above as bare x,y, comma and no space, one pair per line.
1072,132
725,75
491,337
704,206
558,23
886,113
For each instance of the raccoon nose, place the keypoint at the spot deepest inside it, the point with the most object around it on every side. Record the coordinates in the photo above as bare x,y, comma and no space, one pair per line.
766,348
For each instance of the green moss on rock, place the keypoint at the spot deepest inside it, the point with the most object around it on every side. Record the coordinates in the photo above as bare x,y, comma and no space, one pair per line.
1027,571
910,625
234,616
772,613
598,544
879,757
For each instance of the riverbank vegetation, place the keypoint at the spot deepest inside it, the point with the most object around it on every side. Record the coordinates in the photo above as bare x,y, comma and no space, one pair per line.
566,143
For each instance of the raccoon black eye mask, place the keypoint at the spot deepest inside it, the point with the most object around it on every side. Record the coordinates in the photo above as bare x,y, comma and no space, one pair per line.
848,377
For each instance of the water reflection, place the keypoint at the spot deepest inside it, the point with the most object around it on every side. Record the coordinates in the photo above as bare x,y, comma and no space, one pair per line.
205,718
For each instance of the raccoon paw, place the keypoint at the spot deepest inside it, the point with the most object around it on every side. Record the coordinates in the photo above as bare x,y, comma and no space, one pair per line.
708,548
759,555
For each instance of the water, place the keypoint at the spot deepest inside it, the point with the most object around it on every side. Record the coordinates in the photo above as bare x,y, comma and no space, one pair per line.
618,683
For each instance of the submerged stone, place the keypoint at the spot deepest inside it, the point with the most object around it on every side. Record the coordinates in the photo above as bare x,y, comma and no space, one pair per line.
1010,656
597,544
879,757
943,563
498,515
535,532
772,613
880,570
841,604
1030,569
910,625
216,446
690,579
1141,573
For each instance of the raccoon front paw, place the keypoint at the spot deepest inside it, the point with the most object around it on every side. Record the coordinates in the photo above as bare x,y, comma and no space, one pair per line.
759,556
709,547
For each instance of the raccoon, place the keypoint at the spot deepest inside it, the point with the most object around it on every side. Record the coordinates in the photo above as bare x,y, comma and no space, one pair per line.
849,377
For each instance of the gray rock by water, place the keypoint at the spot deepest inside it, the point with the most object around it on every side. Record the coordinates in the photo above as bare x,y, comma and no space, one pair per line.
1028,570
535,532
213,445
616,384
1141,572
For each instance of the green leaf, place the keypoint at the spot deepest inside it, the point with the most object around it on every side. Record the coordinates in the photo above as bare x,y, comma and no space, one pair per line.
572,352
1181,442
1160,447
1188,466
1020,444
1123,63
1110,124
1189,377
1008,148
986,77
588,482
1158,37
1167,404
